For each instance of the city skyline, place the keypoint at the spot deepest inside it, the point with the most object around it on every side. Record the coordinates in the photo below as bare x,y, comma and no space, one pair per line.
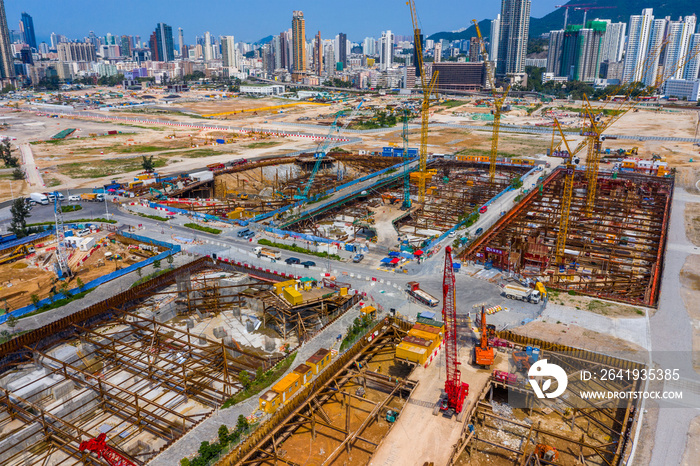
250,25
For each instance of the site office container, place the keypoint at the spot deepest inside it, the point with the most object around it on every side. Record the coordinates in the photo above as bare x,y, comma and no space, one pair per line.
287,387
319,360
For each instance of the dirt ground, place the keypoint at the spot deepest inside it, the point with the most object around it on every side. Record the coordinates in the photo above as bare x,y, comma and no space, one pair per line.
598,306
692,222
692,449
21,279
690,292
578,337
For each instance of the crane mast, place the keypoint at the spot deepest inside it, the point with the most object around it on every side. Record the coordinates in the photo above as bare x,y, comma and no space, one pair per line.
62,269
406,184
428,88
499,99
454,387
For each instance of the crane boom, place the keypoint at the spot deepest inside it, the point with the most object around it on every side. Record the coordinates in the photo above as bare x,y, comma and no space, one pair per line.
454,387
99,445
499,99
428,88
325,146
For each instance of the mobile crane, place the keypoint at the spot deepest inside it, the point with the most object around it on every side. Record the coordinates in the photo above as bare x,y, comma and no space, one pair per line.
99,445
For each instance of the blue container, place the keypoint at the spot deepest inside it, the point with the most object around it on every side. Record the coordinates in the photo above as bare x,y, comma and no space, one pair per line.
456,266
220,141
535,354
68,233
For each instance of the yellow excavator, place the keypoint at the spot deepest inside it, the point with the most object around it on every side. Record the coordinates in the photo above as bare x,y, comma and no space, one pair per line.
18,253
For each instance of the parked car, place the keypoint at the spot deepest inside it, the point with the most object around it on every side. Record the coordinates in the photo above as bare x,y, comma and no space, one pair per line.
452,234
308,264
249,234
483,209
243,232
74,198
292,260
358,258
83,232
479,231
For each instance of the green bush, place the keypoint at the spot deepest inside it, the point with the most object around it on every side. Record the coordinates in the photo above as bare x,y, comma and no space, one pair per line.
324,255
196,226
71,208
154,217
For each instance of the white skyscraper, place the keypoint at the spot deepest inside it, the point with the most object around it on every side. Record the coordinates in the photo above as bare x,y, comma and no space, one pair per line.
207,46
692,68
495,36
369,46
228,53
386,50
637,45
678,35
650,68
181,40
437,52
613,41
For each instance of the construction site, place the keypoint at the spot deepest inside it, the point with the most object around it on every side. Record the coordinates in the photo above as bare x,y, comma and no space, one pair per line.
147,365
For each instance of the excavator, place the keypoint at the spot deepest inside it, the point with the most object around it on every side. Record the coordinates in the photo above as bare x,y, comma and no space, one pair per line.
19,252
546,452
483,353
523,361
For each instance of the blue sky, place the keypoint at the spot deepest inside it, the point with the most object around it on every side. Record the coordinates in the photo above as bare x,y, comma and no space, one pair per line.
248,20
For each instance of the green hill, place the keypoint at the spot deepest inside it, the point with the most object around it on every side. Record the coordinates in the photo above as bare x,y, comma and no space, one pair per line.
468,33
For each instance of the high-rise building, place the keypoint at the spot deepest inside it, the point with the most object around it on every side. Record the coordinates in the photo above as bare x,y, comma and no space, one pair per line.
207,47
26,24
329,58
692,68
228,53
7,63
369,46
513,35
437,52
580,58
76,51
637,45
54,40
164,42
318,55
125,46
554,53
474,49
181,41
678,37
495,35
298,45
386,50
613,41
655,49
343,49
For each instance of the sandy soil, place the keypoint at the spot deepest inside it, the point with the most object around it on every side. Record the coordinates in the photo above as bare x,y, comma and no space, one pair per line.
598,306
692,449
22,278
692,222
578,337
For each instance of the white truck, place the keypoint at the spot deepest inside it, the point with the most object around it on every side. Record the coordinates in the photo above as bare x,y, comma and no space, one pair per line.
265,252
39,198
522,293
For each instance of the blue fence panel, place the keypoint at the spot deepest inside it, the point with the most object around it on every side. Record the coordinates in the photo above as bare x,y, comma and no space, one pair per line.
26,239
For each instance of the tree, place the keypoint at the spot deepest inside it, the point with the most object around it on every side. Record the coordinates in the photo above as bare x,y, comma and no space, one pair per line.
147,163
20,213
185,462
6,154
259,373
80,283
18,174
170,260
223,435
138,272
244,378
35,298
12,322
156,264
242,423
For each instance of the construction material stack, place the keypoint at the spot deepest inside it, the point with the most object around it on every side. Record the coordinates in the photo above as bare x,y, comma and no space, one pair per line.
456,390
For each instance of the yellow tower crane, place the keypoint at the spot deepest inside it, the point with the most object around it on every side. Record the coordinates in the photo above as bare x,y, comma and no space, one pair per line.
499,98
428,88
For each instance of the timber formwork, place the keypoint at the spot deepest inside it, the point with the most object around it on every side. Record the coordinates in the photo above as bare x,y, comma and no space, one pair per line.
615,253
346,429
122,368
583,431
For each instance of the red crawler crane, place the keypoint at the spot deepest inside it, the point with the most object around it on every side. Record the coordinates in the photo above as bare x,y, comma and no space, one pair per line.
456,390
99,446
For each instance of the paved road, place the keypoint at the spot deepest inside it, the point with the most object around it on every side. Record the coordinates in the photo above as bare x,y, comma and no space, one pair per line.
671,337
31,172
